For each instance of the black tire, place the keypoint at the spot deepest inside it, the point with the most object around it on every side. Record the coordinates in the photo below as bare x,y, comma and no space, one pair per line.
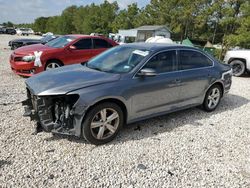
206,102
88,133
56,62
13,47
238,67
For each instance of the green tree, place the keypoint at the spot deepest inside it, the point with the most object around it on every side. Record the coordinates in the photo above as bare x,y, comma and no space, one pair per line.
52,24
8,24
242,35
219,21
95,18
65,21
40,24
127,18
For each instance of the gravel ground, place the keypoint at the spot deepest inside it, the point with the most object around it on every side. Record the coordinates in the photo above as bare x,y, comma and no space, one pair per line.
190,148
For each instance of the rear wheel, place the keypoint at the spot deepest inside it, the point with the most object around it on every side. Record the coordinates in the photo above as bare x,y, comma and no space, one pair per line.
238,67
212,98
53,65
102,123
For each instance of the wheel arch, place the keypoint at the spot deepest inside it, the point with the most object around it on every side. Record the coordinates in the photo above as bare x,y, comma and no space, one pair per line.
237,58
117,101
219,83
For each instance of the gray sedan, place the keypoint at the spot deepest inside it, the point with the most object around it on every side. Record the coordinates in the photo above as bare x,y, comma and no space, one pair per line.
123,85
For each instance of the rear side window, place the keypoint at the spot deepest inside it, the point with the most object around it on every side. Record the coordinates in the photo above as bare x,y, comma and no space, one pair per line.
192,59
83,44
100,43
162,62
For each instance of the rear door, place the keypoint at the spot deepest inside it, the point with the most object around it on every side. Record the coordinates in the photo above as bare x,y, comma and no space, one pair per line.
194,69
82,52
100,45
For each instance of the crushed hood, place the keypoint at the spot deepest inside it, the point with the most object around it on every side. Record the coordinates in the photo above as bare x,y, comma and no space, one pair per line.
65,79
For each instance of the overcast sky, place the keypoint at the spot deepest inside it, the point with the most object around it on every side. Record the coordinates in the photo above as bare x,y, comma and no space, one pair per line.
25,11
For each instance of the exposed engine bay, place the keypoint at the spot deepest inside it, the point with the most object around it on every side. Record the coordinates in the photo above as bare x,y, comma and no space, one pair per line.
52,113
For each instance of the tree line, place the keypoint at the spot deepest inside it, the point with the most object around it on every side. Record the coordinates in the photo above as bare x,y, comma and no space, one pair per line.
218,21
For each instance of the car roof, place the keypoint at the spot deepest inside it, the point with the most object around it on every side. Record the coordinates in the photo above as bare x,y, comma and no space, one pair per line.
77,36
157,46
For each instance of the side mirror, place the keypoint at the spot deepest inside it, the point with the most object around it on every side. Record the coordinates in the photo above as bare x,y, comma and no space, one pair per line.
147,72
72,47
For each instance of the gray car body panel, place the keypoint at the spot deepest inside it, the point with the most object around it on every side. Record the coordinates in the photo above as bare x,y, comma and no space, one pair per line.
143,97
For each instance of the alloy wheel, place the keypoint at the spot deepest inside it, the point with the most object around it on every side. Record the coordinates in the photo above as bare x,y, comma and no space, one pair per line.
105,123
213,98
52,65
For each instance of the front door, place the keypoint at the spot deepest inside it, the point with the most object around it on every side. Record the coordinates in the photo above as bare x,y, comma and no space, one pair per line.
156,94
83,51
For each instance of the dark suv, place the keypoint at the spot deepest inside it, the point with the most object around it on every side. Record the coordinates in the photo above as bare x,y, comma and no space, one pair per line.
2,30
10,31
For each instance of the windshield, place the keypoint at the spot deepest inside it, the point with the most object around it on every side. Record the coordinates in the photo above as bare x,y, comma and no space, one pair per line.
24,29
48,38
120,59
60,42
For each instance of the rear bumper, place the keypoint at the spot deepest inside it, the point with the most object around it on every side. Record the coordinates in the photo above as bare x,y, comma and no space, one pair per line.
227,80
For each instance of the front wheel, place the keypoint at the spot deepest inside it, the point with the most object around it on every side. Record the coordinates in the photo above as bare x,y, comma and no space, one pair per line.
102,123
212,98
53,65
238,67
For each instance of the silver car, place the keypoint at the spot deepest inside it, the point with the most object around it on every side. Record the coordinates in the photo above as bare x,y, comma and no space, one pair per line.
123,85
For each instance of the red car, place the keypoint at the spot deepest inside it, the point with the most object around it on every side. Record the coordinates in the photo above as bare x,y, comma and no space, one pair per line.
65,50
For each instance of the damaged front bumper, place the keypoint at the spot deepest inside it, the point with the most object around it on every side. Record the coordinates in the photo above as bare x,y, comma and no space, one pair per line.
56,114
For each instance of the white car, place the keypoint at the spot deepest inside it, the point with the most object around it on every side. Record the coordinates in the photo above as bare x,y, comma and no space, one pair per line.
46,34
23,31
239,60
18,31
30,31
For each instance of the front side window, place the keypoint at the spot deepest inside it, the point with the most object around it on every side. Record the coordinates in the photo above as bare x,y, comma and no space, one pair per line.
192,59
121,59
100,43
162,62
83,44
60,42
